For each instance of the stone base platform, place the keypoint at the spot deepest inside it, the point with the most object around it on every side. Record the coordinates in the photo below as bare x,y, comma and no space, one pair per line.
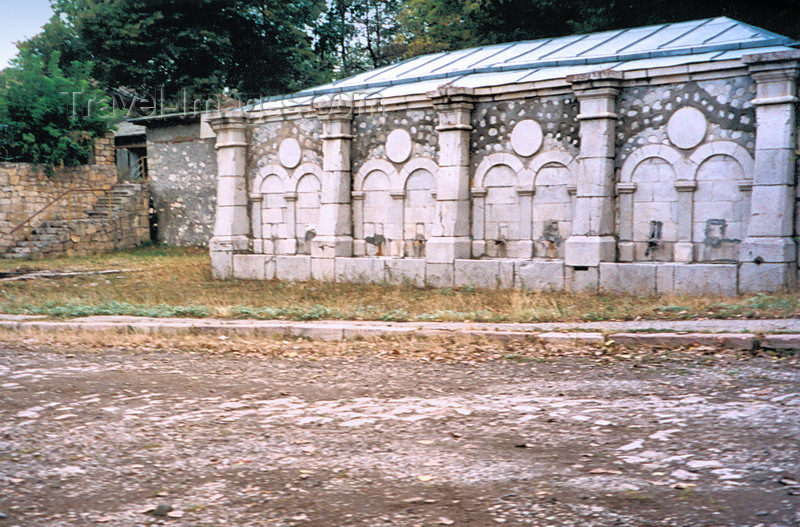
726,279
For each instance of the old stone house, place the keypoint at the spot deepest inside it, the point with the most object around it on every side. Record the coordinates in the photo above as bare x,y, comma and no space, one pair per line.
649,160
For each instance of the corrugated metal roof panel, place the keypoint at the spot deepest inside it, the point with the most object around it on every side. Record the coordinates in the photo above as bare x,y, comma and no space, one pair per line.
627,49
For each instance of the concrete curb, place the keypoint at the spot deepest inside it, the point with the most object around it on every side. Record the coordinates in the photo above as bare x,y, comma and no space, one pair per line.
352,330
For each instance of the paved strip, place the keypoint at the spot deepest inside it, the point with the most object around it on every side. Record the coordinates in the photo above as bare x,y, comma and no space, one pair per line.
730,334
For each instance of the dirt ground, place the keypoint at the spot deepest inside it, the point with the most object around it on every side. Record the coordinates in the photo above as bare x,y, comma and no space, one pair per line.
187,438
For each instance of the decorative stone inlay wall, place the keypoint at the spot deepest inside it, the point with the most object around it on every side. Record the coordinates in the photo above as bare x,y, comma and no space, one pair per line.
644,112
372,131
494,122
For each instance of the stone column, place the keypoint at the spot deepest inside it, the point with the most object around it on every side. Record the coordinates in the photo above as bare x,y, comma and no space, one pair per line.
625,193
684,247
335,230
232,225
592,239
257,202
524,249
768,253
397,234
450,238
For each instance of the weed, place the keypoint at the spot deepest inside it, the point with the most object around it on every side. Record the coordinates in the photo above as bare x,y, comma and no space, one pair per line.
177,282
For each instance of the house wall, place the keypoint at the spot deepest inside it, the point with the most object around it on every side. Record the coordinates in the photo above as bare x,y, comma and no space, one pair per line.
681,182
182,169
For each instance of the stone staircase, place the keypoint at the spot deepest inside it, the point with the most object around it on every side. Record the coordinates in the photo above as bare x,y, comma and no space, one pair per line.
58,237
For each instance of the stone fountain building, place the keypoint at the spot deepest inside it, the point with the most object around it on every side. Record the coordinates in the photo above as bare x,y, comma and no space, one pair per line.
650,160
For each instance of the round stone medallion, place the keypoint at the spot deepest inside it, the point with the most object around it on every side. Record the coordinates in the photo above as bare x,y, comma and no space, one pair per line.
398,146
526,138
687,128
289,152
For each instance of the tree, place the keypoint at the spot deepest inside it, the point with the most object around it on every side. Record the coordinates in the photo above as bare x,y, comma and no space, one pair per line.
442,25
356,35
36,105
203,46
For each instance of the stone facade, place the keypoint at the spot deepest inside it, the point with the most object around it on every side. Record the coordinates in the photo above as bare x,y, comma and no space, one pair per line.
182,170
671,180
83,209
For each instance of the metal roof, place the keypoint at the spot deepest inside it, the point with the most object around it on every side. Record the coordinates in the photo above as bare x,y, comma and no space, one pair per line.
709,40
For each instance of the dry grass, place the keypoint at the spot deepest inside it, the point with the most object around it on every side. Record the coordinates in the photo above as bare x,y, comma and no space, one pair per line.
177,282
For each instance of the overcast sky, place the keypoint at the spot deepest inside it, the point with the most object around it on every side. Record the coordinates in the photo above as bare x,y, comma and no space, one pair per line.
19,20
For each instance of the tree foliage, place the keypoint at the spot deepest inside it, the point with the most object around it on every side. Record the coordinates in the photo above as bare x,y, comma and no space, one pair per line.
441,25
357,35
203,46
36,106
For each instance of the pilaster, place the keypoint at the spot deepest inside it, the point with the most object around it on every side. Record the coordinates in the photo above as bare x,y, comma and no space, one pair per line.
592,239
232,226
771,223
335,230
451,230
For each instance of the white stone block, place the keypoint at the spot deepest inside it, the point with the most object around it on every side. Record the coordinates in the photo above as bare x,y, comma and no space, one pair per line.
705,279
289,152
626,251
665,278
486,274
582,279
522,250
359,247
526,138
232,190
453,149
447,249
406,271
453,183
231,161
774,167
771,211
331,246
539,275
687,128
249,266
293,268
335,188
589,251
439,274
398,145
766,277
231,221
683,252
478,248
775,124
630,278
768,250
366,269
221,265
323,269
597,138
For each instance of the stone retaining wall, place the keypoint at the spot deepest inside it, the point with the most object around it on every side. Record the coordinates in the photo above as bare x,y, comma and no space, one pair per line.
26,189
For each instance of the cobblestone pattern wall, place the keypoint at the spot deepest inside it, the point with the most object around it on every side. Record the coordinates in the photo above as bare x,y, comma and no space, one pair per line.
182,183
493,123
645,110
372,129
265,140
